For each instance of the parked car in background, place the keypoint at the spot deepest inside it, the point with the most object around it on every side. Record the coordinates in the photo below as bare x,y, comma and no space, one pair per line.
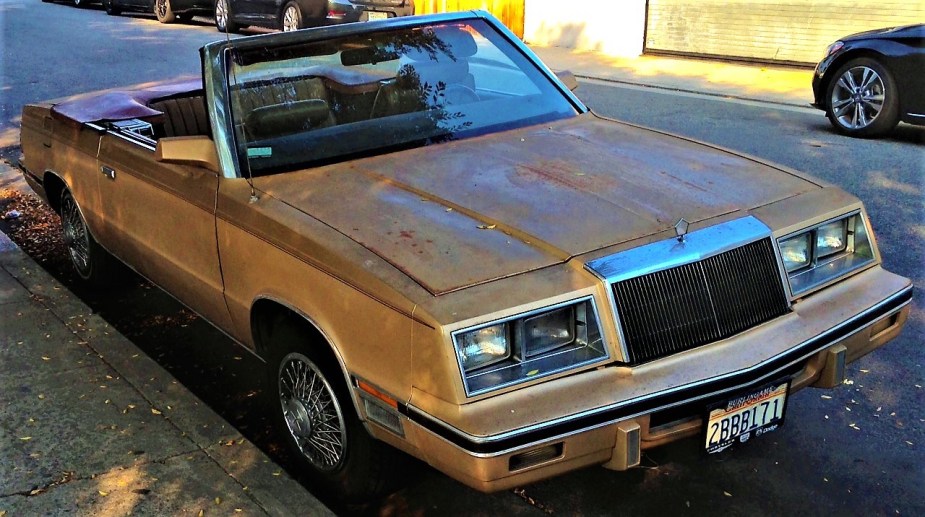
434,245
870,81
166,11
75,3
290,15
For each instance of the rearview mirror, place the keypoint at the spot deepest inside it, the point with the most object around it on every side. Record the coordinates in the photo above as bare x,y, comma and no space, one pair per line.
198,151
568,79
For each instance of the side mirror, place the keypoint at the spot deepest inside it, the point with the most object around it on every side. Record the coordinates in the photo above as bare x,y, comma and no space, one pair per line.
568,79
198,151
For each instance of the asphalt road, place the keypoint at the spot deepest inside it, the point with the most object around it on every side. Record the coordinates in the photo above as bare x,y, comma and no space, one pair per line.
856,450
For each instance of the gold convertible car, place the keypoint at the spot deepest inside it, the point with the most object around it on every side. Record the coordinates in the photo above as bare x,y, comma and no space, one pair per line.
435,246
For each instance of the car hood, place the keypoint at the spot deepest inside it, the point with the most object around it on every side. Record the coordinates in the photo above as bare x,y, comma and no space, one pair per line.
889,32
462,213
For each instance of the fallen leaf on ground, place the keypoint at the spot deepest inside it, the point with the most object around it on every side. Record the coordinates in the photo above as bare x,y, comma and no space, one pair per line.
727,494
155,411
104,494
487,226
26,438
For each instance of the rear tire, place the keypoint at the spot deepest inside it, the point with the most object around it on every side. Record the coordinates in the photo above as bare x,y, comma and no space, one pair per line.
291,19
223,21
164,11
314,413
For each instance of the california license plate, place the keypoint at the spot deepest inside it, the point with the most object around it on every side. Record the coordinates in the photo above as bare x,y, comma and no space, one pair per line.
376,15
746,416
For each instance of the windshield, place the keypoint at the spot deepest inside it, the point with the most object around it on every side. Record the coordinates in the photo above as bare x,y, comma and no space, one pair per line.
326,101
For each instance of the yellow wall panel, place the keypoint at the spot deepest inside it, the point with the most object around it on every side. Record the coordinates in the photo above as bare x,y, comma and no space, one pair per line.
510,12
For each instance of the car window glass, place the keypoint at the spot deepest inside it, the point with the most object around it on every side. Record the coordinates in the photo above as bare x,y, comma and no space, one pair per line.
319,102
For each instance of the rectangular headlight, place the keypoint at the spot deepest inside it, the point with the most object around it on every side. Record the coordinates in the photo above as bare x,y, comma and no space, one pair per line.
529,346
831,238
548,331
484,346
796,252
826,251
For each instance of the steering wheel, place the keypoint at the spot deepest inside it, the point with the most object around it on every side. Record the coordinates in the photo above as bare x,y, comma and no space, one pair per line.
459,94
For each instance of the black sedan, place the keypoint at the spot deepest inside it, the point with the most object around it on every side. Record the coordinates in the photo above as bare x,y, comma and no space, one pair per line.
167,11
868,82
289,15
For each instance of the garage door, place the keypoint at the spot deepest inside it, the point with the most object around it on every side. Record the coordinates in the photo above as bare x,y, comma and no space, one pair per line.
767,30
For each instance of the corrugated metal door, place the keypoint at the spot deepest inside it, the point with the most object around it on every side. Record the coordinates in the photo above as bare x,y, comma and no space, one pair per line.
767,30
510,12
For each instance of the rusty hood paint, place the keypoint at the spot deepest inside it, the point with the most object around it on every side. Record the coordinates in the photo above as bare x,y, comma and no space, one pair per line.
462,213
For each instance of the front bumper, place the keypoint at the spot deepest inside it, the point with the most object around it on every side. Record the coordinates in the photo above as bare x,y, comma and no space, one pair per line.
609,415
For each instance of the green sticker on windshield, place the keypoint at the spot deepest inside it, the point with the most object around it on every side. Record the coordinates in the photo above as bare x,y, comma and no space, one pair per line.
259,152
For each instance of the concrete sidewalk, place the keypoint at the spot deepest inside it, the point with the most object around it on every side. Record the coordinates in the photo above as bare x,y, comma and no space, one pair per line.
91,425
780,85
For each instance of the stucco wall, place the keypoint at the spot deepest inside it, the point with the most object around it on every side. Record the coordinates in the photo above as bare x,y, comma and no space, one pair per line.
614,27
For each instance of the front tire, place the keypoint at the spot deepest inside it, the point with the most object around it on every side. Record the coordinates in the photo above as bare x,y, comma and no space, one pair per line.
223,21
92,263
291,19
164,11
313,410
862,99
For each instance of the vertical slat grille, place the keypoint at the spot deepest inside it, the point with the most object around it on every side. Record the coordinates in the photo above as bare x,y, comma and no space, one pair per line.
677,309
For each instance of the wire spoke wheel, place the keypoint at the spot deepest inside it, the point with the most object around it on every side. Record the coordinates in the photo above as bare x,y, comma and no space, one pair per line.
312,413
76,236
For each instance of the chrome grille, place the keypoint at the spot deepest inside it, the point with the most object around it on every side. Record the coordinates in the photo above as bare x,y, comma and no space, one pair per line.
684,307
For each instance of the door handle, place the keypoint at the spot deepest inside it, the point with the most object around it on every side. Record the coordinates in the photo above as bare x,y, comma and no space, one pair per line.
109,172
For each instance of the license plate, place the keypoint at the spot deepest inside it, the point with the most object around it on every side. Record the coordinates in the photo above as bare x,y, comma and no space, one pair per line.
376,15
749,415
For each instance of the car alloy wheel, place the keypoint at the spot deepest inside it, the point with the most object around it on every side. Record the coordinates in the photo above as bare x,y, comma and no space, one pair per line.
223,21
312,413
858,97
164,11
862,99
76,236
292,18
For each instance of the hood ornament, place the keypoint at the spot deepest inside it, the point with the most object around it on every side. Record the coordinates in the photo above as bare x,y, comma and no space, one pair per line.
680,229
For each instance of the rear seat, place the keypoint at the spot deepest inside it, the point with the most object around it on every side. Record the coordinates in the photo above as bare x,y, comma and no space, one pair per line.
184,116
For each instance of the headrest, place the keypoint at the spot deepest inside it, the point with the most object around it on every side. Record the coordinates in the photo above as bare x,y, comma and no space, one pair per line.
452,41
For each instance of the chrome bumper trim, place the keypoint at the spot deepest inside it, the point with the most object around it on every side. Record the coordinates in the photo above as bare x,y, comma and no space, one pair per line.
598,417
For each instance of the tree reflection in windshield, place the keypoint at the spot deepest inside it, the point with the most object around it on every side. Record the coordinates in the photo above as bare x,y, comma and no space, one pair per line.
318,102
